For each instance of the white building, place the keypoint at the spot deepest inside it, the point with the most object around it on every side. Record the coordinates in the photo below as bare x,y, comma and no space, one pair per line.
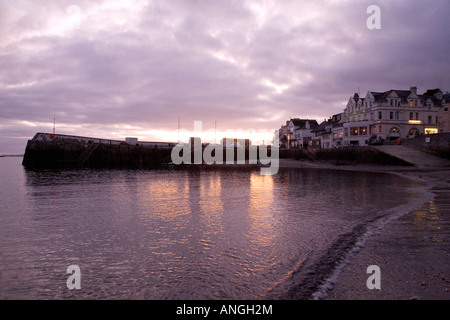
330,133
391,115
296,133
444,116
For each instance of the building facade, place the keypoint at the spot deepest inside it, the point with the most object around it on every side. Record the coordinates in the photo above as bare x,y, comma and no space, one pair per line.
390,115
330,133
444,116
296,133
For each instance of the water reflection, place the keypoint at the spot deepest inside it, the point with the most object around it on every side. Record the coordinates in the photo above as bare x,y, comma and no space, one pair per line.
166,199
211,204
179,234
428,218
261,213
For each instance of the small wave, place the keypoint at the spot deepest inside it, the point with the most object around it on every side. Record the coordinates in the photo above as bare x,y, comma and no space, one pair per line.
312,278
353,242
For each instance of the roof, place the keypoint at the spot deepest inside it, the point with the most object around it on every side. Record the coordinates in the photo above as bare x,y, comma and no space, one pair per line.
432,92
300,123
446,97
433,95
321,127
382,96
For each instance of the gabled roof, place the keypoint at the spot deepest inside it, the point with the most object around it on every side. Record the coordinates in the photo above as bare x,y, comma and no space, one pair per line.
432,94
321,127
300,123
382,96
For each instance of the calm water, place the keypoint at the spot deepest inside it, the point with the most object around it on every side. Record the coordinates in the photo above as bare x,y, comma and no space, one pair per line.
230,234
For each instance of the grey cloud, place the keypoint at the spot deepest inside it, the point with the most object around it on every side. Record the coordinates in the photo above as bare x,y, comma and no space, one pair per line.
160,66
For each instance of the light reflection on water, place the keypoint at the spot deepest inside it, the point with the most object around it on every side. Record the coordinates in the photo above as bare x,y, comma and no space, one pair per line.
176,234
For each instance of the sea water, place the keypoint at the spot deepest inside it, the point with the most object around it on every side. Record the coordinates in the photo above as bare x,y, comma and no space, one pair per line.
187,234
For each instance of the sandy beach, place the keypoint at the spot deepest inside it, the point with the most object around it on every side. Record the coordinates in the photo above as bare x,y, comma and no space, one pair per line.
412,252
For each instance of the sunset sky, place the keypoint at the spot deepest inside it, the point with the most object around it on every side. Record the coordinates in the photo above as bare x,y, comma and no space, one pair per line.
113,69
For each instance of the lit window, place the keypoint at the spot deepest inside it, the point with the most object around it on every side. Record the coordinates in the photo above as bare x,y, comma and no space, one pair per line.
431,130
362,131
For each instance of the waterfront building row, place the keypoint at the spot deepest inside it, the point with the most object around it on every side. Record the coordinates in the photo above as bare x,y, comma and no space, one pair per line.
375,118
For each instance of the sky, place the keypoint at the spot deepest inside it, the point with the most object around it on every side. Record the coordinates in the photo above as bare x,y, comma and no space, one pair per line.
149,69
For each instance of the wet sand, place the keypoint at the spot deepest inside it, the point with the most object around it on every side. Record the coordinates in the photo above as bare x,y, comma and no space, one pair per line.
412,252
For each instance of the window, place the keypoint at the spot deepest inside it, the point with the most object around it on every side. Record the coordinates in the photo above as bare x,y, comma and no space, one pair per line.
413,132
354,131
415,103
392,102
394,130
431,130
380,115
380,128
417,116
446,109
391,115
397,115
411,116
430,119
362,131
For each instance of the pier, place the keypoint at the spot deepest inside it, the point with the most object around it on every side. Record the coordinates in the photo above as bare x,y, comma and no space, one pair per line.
47,150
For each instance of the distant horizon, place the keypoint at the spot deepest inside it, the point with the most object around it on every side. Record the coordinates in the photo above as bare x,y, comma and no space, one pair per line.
159,136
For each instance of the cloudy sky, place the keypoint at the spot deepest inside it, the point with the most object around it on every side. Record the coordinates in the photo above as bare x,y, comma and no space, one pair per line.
113,69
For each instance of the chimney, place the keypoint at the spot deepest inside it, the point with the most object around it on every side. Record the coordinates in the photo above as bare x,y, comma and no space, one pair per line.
413,90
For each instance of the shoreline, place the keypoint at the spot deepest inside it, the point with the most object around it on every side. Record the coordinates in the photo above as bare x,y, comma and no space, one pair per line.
411,250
